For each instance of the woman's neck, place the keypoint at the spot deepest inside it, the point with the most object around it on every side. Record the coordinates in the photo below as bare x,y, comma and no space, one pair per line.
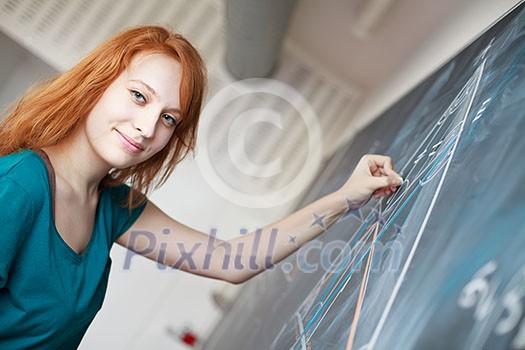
78,166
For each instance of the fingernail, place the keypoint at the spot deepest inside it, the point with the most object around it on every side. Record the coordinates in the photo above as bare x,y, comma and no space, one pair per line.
401,180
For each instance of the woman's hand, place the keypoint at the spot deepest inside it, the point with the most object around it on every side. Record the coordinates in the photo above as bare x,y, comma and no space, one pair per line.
373,175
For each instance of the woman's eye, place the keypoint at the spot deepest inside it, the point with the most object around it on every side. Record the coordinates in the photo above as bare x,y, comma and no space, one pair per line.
138,96
169,119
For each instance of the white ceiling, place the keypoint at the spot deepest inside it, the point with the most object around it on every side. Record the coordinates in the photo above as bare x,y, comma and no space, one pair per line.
325,31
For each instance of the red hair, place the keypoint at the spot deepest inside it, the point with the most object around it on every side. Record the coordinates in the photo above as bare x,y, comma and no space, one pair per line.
54,110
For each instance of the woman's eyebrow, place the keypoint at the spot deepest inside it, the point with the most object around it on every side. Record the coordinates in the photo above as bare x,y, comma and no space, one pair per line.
149,88
173,110
154,93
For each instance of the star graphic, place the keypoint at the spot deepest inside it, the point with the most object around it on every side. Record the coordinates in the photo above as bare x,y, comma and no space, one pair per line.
318,220
292,239
352,212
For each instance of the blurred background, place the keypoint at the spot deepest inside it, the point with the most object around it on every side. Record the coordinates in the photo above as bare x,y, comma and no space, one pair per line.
347,60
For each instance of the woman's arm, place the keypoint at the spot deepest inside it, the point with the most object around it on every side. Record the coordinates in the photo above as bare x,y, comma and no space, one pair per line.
160,238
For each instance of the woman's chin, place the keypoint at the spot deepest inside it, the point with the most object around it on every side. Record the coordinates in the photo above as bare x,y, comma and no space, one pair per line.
121,161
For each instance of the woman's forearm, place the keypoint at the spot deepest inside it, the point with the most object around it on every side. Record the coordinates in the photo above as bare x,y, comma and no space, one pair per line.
261,249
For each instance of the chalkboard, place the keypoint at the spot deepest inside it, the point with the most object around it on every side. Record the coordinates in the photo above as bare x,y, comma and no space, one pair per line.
441,263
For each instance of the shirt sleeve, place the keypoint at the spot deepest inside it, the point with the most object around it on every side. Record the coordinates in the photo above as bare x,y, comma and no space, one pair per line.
17,219
122,217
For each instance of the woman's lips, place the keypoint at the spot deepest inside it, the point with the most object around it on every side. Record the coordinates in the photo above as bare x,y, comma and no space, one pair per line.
129,143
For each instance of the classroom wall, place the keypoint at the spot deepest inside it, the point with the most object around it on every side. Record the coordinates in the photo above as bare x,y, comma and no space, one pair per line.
19,70
455,33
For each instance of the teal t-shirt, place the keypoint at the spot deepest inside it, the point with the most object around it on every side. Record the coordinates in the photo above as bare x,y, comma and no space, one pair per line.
49,294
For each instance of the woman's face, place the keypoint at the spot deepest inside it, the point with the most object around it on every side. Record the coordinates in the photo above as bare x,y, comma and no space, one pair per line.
137,114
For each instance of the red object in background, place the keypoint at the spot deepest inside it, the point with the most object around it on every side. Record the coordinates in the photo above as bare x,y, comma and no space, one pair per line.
189,338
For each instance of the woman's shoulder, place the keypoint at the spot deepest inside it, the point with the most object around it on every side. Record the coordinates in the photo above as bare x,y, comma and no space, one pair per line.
26,171
19,163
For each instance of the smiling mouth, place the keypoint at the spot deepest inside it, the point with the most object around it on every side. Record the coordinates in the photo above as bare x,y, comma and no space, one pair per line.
129,143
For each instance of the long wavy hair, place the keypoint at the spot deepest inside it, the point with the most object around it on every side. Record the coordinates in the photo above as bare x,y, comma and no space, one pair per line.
54,110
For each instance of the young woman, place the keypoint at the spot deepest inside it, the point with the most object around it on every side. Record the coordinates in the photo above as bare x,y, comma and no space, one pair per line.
126,114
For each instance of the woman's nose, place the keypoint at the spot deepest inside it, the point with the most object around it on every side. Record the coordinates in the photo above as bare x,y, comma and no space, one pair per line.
145,124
